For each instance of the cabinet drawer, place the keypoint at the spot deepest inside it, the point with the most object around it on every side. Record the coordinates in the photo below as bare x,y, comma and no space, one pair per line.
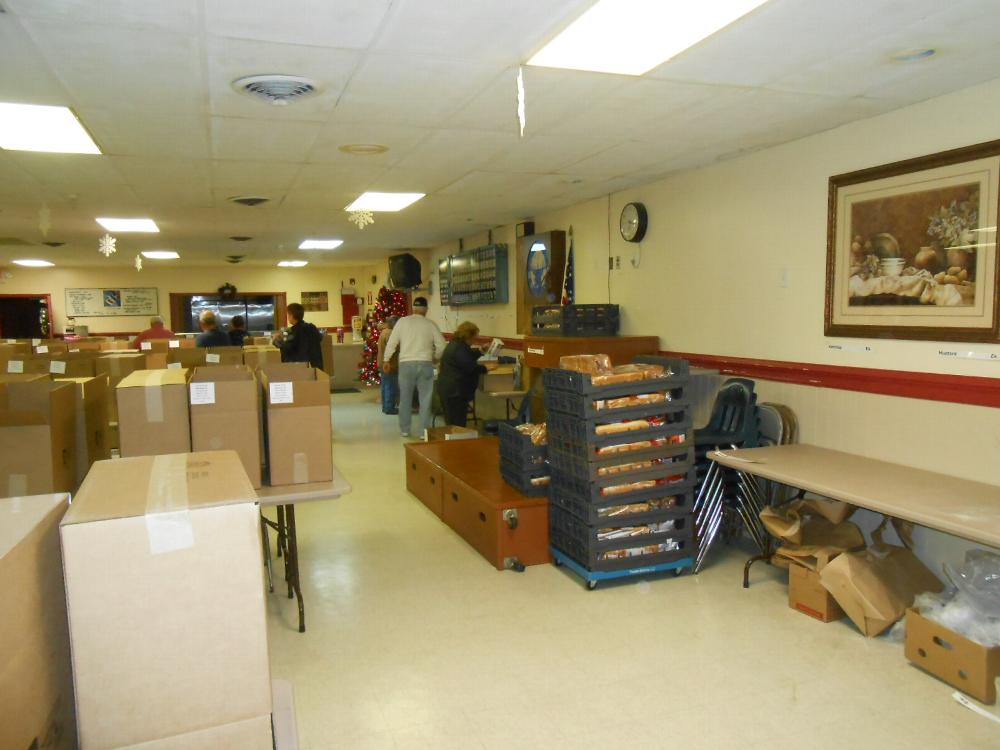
423,479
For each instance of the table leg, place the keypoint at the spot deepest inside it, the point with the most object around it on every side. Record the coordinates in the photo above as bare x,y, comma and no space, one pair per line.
506,403
281,529
746,568
265,537
292,560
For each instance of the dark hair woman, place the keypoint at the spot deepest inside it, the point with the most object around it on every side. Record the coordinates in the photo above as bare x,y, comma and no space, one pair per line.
459,374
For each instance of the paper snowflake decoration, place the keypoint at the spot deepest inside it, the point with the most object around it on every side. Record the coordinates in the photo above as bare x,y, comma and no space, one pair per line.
44,220
362,218
106,246
138,262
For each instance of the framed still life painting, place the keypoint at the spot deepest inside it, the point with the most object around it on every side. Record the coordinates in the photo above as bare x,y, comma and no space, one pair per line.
911,249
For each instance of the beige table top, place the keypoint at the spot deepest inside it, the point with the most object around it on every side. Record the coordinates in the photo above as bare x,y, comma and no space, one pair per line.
505,394
291,494
946,503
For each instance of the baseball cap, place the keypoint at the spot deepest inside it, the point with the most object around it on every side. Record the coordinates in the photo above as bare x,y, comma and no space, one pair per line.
420,302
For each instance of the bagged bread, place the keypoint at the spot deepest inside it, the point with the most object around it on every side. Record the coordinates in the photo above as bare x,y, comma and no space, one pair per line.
592,364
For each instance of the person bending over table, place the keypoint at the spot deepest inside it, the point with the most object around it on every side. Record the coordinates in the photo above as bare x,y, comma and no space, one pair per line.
459,374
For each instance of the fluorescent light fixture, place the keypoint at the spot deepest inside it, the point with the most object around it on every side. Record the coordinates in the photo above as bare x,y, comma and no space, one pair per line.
384,201
32,263
160,254
985,229
128,225
320,244
293,263
631,37
32,127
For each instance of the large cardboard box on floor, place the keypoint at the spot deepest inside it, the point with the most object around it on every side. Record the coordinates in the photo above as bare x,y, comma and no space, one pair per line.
93,443
185,357
115,346
36,681
117,366
165,595
299,435
258,356
37,438
224,355
807,595
962,663
225,414
153,416
51,346
23,378
65,365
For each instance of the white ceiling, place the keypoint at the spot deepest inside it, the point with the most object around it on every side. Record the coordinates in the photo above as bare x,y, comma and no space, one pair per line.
434,81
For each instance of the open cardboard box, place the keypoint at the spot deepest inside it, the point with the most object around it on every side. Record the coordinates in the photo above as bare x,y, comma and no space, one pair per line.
153,416
807,595
299,435
450,432
93,443
962,663
37,438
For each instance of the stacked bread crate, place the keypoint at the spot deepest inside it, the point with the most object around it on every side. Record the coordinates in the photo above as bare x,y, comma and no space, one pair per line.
524,458
622,461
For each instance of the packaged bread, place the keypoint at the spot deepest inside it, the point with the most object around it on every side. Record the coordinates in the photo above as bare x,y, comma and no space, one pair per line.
634,509
538,433
592,364
628,425
668,545
626,467
540,481
621,489
625,402
644,529
629,374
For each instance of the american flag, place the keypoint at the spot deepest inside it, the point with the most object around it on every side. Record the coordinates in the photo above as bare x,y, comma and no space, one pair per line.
569,284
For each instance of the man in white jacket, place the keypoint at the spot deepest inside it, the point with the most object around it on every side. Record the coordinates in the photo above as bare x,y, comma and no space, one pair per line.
420,344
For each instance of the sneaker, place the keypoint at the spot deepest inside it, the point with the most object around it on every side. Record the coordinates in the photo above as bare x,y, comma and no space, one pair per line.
404,434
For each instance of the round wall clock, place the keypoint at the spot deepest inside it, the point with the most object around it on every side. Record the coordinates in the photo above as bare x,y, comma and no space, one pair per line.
632,223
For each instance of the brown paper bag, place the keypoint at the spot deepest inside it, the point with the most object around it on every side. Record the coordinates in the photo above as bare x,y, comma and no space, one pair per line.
834,511
797,529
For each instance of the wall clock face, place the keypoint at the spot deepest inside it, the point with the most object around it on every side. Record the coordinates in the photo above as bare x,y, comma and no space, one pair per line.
632,223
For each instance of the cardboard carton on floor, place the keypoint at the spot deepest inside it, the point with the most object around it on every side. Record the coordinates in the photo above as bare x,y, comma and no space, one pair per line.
261,341
500,380
450,432
964,664
299,435
36,681
165,595
186,358
225,414
23,378
153,414
118,365
115,346
50,347
77,345
258,356
92,440
154,346
66,365
15,347
37,438
807,595
224,355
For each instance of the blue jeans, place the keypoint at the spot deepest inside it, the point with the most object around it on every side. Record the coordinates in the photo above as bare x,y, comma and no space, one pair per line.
390,391
417,376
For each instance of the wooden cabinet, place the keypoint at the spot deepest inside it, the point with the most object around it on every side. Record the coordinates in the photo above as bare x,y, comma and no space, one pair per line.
545,351
423,479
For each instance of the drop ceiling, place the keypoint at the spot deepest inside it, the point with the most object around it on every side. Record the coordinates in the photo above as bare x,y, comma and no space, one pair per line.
434,81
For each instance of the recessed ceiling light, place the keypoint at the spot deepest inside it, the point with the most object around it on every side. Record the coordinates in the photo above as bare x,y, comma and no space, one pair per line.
363,149
631,37
160,254
32,263
128,225
912,55
320,244
293,263
53,243
371,201
32,127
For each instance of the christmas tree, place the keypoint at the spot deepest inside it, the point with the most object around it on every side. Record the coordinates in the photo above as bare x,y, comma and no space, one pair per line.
390,303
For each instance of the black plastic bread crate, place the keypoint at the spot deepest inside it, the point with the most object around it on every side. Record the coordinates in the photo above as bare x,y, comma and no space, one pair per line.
611,510
580,382
578,541
680,456
591,450
676,414
583,406
518,449
667,480
520,479
575,320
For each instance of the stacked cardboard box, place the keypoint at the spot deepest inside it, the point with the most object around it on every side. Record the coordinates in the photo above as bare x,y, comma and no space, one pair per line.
224,355
299,434
258,356
35,678
37,438
153,414
226,415
93,443
185,357
117,366
165,598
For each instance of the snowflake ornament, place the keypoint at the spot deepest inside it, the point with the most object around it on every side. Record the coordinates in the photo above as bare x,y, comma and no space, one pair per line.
362,218
44,220
106,246
138,262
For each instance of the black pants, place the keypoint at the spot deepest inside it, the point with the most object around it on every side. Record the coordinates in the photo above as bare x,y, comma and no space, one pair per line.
456,410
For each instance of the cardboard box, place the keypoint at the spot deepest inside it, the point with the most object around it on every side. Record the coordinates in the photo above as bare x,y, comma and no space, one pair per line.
153,414
962,663
88,345
298,432
450,432
252,734
19,347
225,414
25,378
154,346
65,365
224,355
156,361
185,358
50,347
807,595
37,438
92,440
165,595
117,366
36,681
500,380
258,356
261,340
115,346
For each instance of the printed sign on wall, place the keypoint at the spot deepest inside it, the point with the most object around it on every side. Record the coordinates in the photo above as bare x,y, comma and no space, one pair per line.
98,303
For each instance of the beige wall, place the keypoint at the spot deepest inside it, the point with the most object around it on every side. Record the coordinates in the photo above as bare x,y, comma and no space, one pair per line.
292,281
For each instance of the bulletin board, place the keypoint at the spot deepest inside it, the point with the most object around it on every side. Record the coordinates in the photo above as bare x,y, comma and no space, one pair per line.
315,301
104,302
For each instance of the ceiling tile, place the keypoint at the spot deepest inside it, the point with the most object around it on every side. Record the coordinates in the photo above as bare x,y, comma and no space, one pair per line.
547,153
176,15
25,76
171,182
347,178
182,135
347,24
252,177
263,140
400,139
458,149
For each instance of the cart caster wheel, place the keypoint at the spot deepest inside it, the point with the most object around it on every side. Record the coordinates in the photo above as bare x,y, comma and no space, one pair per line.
557,562
591,585
678,572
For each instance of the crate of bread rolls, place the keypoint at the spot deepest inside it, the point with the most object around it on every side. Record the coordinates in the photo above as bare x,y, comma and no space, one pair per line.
677,450
660,479
675,503
524,463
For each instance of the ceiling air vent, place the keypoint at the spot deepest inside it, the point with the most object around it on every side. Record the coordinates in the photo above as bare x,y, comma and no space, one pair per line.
235,259
280,90
240,238
249,200
54,244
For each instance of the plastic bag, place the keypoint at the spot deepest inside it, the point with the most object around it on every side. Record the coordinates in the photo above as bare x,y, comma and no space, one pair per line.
979,580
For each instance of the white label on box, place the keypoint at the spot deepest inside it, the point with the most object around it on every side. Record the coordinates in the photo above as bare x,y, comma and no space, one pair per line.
73,351
202,393
57,368
532,350
15,366
174,344
174,366
146,346
281,393
41,350
213,359
36,342
11,341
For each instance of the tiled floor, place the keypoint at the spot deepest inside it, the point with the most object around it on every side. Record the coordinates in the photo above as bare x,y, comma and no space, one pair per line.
414,641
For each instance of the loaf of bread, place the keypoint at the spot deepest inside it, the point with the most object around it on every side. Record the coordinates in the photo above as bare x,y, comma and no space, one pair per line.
625,402
634,509
592,364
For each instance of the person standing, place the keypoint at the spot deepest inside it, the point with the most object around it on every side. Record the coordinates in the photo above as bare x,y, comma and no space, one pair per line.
459,375
419,343
300,342
388,368
156,330
237,330
210,334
